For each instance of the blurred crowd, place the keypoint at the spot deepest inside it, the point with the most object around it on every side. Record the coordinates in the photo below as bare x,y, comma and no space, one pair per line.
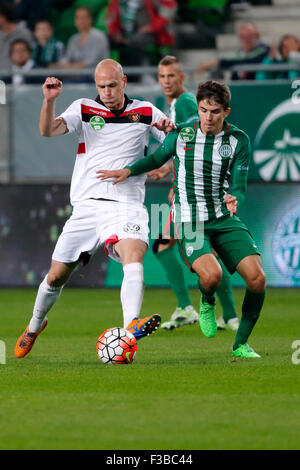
77,34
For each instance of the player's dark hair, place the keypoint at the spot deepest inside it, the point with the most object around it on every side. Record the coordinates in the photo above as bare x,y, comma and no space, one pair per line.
19,41
6,10
211,90
168,60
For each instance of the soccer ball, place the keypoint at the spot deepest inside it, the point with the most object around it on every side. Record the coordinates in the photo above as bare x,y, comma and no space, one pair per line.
116,346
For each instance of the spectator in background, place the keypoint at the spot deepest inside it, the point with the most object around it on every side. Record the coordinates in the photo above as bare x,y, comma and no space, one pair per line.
86,48
31,11
135,24
21,61
47,49
281,54
252,52
9,32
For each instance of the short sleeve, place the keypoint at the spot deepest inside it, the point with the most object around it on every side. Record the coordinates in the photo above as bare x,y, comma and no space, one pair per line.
72,117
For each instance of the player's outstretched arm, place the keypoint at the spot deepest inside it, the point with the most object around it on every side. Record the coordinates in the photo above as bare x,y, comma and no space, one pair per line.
161,155
49,126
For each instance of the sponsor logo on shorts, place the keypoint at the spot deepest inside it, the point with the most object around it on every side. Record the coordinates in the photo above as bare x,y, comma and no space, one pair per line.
131,227
225,150
97,123
187,134
189,250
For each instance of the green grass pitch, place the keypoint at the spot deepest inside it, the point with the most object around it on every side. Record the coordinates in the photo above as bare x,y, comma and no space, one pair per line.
183,391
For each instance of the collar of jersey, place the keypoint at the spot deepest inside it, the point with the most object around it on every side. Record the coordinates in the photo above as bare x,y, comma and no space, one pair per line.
116,112
225,129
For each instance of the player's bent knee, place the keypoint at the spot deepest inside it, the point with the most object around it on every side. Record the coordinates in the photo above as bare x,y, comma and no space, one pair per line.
210,281
161,244
58,274
56,280
257,283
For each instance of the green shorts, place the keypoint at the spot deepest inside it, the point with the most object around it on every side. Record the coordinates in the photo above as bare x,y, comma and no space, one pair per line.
228,236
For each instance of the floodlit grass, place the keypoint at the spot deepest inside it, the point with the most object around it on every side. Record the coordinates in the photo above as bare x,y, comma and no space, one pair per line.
183,391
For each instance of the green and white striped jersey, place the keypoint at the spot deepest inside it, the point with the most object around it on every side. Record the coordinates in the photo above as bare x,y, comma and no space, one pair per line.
203,165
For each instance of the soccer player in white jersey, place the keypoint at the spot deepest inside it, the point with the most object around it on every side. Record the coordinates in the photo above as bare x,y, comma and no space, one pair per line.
113,131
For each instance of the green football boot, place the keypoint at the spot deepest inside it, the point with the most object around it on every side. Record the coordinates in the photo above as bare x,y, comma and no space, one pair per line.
207,319
244,350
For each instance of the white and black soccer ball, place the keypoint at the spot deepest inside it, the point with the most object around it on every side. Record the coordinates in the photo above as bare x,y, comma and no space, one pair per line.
116,346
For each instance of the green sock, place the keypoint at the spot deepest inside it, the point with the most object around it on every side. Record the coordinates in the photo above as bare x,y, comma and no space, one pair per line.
251,309
224,293
174,271
207,297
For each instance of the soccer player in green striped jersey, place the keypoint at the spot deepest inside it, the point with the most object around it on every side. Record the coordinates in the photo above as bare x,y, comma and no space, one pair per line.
207,153
183,108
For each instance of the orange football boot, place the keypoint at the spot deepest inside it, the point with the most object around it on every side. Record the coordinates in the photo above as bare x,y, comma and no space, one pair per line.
144,326
27,339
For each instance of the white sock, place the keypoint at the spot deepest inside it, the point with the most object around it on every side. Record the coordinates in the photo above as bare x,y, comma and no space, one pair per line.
45,299
132,291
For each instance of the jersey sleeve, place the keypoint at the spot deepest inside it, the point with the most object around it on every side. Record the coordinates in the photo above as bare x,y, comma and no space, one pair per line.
72,117
155,160
240,169
156,116
186,109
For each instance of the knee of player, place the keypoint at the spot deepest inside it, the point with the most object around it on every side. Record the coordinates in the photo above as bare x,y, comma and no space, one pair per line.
257,282
54,279
212,279
161,244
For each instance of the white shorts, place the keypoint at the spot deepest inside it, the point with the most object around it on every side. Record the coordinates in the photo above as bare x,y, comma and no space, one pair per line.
98,222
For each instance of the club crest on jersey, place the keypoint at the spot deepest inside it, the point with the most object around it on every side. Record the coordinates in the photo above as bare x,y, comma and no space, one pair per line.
131,227
134,117
97,123
189,251
187,134
225,150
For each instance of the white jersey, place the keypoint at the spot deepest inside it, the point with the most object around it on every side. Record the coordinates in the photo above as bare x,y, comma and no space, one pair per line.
110,140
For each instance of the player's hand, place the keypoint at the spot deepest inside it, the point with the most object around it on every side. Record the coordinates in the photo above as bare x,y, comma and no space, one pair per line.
171,195
52,88
160,173
164,124
231,204
119,175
